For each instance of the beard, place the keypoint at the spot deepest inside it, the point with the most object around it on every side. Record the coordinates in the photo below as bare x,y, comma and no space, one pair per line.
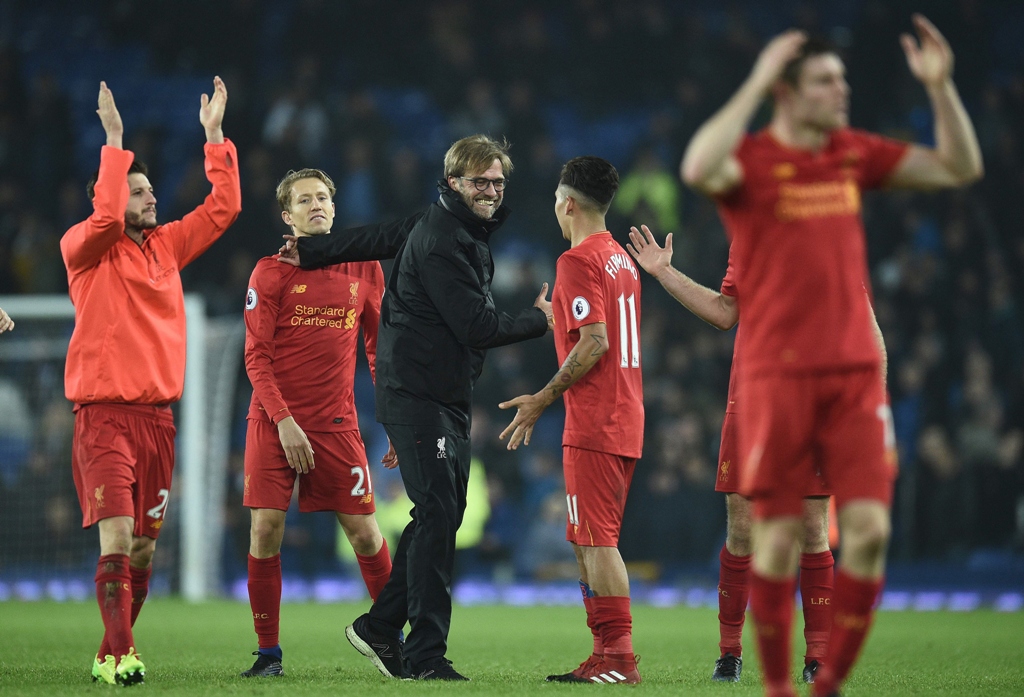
469,196
137,221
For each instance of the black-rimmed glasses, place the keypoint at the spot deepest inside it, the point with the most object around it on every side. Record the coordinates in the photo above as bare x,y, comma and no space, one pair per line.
481,183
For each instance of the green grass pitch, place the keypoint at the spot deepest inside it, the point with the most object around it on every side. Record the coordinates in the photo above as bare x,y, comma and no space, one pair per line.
200,649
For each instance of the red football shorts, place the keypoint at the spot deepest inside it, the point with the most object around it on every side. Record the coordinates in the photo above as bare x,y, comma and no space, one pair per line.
838,421
122,457
340,480
596,485
728,479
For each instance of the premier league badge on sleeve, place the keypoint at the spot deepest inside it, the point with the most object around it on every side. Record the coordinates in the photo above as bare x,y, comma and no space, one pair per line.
250,299
580,307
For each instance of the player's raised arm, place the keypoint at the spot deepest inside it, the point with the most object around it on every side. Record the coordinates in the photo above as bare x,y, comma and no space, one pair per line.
708,164
956,158
715,308
6,323
592,345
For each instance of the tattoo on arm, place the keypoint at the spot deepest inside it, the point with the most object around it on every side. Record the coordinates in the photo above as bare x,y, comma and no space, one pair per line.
571,363
598,352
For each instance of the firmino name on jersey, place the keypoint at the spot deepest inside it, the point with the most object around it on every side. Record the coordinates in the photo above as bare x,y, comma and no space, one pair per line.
618,262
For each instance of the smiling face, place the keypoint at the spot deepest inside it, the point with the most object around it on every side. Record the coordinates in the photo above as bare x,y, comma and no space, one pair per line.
484,203
310,210
141,211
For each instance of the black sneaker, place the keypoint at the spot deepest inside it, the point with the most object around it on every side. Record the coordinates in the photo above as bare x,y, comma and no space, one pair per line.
810,670
728,669
440,669
266,666
383,651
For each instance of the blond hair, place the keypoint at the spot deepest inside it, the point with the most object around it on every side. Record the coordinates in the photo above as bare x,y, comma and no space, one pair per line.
476,154
284,189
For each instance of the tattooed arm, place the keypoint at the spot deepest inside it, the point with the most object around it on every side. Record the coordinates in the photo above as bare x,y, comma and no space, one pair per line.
585,354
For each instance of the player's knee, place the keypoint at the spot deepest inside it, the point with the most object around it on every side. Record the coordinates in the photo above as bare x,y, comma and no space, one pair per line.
266,530
867,536
142,551
738,524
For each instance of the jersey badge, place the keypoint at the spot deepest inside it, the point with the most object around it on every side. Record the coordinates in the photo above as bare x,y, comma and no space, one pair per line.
299,288
353,291
580,308
441,452
784,170
250,299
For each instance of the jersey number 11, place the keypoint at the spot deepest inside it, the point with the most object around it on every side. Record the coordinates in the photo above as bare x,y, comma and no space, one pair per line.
629,347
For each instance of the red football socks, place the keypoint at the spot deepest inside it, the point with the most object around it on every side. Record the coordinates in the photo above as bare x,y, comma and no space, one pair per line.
816,592
854,603
615,624
140,589
592,624
733,590
376,569
265,598
771,604
114,596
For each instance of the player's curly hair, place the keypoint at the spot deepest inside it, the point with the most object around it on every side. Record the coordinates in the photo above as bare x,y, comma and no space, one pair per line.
594,179
284,188
137,167
814,46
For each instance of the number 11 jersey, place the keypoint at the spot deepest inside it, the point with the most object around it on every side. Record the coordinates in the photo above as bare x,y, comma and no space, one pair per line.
596,281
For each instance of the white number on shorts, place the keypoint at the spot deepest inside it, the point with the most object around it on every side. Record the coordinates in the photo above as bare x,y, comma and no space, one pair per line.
885,414
629,359
361,479
157,511
574,511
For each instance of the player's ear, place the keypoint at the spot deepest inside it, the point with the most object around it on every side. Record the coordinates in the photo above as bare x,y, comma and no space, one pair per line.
287,218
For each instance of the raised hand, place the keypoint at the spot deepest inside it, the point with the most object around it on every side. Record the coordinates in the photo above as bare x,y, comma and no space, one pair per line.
211,111
110,117
775,56
545,306
931,60
648,253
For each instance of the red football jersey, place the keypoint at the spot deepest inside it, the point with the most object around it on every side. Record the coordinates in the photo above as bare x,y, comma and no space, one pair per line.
301,331
799,252
729,288
596,281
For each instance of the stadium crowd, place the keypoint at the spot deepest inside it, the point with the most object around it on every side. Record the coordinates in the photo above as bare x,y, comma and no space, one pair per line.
947,271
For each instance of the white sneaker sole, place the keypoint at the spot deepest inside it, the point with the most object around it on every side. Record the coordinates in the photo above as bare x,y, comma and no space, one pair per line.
362,647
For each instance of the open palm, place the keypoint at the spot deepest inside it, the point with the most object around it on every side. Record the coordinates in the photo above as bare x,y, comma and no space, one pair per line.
931,60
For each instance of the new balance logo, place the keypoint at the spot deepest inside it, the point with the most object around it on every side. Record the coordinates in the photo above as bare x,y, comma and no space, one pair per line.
441,453
612,676
382,650
299,288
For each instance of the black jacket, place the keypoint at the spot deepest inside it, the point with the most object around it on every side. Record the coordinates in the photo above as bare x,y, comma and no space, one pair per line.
438,317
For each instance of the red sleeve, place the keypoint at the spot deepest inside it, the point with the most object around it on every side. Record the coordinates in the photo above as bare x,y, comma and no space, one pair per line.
582,290
881,156
84,244
193,234
262,307
370,319
729,282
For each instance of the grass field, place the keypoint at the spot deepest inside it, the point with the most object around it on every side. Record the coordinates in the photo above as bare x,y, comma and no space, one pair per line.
200,649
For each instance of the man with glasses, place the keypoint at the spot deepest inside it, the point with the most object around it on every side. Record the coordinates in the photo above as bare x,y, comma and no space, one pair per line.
437,321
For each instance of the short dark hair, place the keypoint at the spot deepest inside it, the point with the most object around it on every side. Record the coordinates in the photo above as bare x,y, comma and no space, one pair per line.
594,178
138,167
814,46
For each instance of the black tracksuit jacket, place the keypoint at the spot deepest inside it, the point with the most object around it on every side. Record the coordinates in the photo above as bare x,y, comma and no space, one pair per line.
438,316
